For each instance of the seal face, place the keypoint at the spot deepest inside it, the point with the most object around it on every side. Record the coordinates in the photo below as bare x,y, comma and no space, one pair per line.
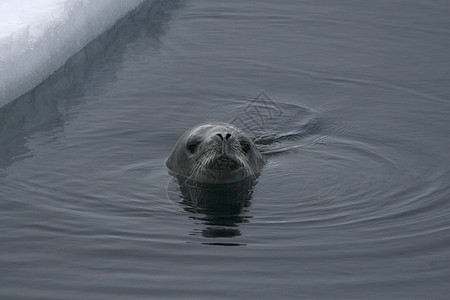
215,153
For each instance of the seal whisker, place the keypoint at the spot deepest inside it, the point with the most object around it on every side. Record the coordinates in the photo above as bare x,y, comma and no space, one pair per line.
204,160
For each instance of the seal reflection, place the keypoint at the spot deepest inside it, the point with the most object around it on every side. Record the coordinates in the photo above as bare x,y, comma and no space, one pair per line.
221,207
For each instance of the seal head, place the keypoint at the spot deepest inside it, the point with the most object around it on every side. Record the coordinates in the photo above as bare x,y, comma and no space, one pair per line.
215,153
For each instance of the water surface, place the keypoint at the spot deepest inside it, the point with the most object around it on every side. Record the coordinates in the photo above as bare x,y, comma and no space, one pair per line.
353,121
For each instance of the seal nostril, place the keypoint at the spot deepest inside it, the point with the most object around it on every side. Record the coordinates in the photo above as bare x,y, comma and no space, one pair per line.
227,136
219,135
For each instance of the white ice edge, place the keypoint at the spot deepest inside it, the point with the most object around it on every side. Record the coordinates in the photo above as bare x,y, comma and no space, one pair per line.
37,37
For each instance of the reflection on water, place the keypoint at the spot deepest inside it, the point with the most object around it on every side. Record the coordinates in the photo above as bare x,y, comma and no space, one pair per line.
221,207
46,107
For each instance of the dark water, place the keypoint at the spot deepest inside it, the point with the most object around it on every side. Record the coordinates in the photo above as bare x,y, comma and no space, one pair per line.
354,122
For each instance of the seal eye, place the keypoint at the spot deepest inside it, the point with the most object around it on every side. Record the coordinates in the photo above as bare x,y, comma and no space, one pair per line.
192,147
245,146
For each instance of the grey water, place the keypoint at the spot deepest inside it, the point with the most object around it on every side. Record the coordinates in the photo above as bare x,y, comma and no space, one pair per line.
348,100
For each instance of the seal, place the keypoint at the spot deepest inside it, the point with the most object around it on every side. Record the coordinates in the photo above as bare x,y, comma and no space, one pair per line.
215,153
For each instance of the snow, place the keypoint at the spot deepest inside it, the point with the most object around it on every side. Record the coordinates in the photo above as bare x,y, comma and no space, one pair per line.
38,36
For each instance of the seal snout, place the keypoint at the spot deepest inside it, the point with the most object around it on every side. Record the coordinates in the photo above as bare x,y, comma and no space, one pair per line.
224,138
223,163
221,136
226,141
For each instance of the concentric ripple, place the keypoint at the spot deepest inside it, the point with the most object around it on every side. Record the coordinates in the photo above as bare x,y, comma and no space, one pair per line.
346,181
